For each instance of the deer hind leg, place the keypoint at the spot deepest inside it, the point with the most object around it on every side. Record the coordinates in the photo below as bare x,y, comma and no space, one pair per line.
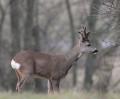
18,78
56,84
21,82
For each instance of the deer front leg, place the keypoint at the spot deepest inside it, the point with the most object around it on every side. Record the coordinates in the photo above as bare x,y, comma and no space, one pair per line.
56,84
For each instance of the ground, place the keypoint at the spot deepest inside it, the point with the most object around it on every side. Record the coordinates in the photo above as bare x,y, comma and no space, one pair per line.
64,95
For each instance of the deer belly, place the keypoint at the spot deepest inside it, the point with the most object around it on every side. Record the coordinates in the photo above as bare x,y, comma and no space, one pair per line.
42,73
42,70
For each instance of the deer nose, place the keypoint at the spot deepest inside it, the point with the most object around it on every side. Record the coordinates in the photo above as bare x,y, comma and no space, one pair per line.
95,51
89,44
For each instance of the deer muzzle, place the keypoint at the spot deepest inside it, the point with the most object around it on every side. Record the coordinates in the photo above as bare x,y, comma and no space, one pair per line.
95,51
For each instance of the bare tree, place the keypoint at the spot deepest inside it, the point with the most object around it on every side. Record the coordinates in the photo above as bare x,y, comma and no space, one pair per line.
2,11
29,23
15,25
89,65
72,30
40,85
15,28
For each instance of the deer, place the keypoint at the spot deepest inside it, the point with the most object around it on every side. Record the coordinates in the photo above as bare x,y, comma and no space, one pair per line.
30,64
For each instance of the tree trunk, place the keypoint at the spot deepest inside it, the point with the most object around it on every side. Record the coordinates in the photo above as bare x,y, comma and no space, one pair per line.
118,20
32,37
40,85
15,25
1,43
15,30
2,19
89,65
72,29
29,23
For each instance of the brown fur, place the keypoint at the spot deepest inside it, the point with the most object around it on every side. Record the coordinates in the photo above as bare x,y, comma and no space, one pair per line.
52,67
49,66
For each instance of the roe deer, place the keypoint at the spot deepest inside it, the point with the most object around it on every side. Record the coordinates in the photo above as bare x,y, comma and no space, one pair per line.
29,64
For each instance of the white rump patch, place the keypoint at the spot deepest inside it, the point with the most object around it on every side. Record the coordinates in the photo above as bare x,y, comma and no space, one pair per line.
15,65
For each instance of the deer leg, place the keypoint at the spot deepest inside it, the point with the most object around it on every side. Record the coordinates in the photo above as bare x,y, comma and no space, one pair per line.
21,83
18,80
56,84
50,87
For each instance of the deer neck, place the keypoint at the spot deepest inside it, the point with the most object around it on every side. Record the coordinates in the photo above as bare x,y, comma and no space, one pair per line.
73,53
72,56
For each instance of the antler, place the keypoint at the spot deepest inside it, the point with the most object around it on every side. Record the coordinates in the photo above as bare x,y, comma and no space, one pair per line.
84,33
84,30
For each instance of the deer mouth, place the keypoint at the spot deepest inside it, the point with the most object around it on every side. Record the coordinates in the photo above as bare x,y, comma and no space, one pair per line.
95,51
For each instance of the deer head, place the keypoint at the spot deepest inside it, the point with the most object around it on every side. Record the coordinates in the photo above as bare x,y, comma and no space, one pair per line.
85,45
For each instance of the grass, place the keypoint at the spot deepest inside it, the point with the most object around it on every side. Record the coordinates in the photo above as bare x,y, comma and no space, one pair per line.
65,95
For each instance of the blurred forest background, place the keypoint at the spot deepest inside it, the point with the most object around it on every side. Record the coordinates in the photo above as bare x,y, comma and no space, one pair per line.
51,26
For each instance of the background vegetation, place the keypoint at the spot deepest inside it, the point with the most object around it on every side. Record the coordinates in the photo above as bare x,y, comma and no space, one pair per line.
51,26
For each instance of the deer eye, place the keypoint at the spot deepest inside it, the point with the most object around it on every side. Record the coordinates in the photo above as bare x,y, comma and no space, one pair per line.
85,40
